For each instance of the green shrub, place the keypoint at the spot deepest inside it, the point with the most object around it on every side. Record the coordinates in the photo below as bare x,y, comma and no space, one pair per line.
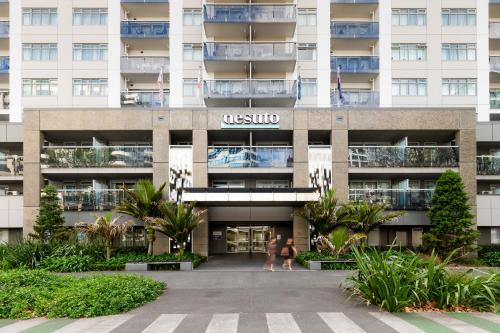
35,293
303,257
67,264
25,254
491,258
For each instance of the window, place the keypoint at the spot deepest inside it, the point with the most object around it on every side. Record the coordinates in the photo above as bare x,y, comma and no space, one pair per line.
39,87
228,183
309,87
459,87
306,17
409,87
90,87
90,52
39,52
192,17
190,87
409,16
458,52
90,16
495,235
264,183
39,16
409,52
307,51
192,52
458,16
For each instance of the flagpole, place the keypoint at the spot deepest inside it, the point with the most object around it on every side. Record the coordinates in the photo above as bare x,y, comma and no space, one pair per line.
339,87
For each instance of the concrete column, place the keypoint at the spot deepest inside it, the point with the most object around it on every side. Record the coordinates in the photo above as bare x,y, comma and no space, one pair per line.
300,232
300,158
161,144
200,158
200,235
340,153
161,244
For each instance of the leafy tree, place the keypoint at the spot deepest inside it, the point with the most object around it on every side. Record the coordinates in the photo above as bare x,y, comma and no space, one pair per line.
49,224
450,216
107,228
141,202
177,222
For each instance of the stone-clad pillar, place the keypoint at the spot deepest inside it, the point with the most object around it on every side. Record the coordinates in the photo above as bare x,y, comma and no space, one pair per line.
300,232
200,235
200,158
340,155
300,158
33,180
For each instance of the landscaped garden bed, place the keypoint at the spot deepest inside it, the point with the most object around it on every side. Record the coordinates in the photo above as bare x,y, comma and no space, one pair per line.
37,293
344,262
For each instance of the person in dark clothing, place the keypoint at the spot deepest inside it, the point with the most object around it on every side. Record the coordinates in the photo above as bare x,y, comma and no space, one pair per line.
288,252
271,255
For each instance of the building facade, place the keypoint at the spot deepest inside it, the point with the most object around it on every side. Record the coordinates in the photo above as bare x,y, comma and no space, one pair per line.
238,102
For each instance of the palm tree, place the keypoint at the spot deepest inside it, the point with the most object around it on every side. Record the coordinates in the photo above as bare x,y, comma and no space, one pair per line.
141,202
177,222
107,228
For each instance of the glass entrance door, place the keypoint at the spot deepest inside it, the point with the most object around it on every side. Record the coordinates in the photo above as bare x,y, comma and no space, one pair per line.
246,239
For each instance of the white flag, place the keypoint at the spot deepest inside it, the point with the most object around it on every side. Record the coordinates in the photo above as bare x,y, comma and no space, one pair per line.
160,87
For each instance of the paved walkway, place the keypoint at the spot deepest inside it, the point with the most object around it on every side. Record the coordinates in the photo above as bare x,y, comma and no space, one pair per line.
241,263
257,301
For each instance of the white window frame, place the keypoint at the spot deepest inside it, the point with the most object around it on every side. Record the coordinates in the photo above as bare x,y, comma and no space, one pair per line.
192,52
39,51
307,17
409,17
458,17
312,51
192,17
458,52
90,87
189,87
272,183
309,87
39,87
39,16
98,51
459,87
90,16
409,52
409,87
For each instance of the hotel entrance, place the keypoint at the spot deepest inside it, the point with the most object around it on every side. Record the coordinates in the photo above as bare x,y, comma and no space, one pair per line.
248,239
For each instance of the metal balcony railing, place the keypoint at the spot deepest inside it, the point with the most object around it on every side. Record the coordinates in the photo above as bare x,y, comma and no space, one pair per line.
488,165
249,13
11,165
144,98
96,157
247,51
494,29
495,99
495,64
250,89
90,199
354,29
353,1
144,29
250,157
355,98
144,64
4,29
395,199
403,157
363,64
4,65
144,1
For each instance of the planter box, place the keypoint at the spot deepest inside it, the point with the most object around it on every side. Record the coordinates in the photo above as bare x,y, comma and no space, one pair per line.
315,265
146,266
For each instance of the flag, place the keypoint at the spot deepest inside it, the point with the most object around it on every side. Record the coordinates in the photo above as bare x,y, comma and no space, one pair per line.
198,82
299,88
160,87
339,86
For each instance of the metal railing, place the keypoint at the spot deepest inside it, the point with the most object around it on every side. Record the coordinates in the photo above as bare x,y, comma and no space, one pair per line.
144,1
144,29
90,199
403,157
249,13
250,89
4,65
4,29
488,165
363,64
247,51
354,1
494,64
144,64
144,98
355,98
495,99
250,157
494,29
395,199
96,157
11,165
354,29
4,99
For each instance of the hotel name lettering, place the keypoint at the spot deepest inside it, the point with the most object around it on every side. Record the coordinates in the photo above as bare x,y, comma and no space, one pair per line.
264,120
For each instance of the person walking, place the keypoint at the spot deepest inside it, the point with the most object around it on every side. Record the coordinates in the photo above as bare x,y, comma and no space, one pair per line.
271,255
288,252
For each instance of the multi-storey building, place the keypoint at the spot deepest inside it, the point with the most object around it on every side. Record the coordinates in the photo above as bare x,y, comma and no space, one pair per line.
236,105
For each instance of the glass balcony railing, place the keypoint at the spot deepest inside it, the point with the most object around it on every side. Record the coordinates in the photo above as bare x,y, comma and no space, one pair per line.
144,1
144,64
494,29
96,157
495,99
144,29
4,65
488,165
11,165
249,13
355,98
364,64
495,64
403,157
250,89
395,199
144,98
354,1
4,99
354,29
246,51
4,29
90,200
250,157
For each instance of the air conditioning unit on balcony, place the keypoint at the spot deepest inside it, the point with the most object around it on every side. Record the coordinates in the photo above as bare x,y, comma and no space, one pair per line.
486,192
130,99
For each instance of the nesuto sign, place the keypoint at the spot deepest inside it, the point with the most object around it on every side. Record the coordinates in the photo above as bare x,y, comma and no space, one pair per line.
265,120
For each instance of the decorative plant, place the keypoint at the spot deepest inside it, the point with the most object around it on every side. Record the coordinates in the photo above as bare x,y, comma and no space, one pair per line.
340,242
49,224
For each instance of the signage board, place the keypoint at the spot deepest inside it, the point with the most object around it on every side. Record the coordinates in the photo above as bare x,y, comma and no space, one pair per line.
264,120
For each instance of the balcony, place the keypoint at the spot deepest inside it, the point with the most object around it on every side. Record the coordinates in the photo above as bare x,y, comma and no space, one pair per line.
11,166
144,65
355,98
495,99
495,64
4,29
4,99
96,157
144,29
354,29
403,157
249,13
353,1
494,30
488,165
90,200
4,65
144,1
144,98
395,199
250,157
354,65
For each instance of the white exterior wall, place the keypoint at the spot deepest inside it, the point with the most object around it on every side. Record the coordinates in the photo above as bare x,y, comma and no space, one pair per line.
483,64
114,49
323,44
15,53
176,53
385,40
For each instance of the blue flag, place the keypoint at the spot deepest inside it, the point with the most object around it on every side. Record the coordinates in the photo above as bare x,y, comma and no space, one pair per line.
339,86
299,88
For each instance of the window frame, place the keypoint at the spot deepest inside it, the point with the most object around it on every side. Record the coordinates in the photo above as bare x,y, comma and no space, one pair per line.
89,85
50,49
406,86
36,84
100,13
32,12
